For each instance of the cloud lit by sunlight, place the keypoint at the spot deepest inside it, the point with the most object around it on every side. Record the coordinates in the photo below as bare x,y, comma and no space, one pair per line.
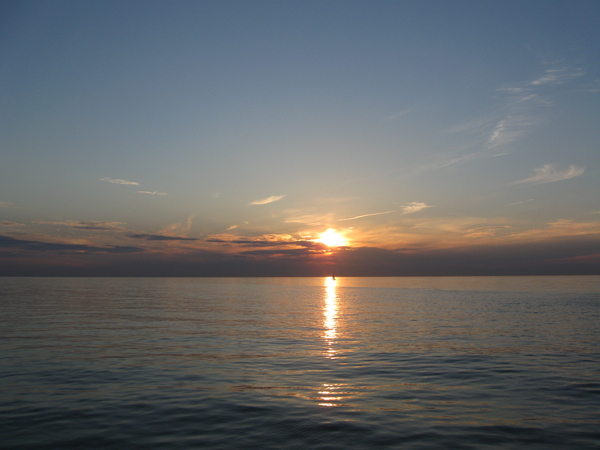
94,225
368,215
8,223
414,207
549,173
152,193
118,181
264,201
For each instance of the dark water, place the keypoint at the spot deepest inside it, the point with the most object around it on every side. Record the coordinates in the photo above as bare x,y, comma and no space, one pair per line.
462,363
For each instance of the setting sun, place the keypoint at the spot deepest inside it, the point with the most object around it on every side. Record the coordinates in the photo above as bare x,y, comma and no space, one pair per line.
332,238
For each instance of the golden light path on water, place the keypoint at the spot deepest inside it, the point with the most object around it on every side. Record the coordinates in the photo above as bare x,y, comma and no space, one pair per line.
330,312
328,394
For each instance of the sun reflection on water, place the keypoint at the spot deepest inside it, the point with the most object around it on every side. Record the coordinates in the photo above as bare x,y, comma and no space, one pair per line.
329,394
330,312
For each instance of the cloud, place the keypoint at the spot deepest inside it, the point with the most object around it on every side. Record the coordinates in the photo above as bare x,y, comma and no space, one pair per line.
160,237
179,228
521,202
151,193
87,225
549,256
294,252
442,161
118,181
275,248
267,243
308,216
5,205
39,246
593,87
523,109
6,223
264,201
399,114
414,207
232,227
558,76
549,173
482,232
510,129
368,215
523,106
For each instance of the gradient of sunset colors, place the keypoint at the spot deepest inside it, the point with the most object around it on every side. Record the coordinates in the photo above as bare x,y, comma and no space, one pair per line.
205,138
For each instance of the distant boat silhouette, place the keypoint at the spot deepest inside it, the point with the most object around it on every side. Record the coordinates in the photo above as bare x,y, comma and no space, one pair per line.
333,276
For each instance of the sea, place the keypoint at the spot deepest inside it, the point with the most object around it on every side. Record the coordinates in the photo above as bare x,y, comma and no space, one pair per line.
300,363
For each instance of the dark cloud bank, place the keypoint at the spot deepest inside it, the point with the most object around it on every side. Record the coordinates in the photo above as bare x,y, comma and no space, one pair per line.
566,256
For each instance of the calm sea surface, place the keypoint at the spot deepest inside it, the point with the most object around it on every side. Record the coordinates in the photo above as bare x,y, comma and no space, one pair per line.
300,363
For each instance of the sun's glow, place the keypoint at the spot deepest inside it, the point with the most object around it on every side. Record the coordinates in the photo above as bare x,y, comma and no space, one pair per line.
332,238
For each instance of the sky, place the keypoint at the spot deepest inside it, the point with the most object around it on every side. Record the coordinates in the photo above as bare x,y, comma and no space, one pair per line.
223,138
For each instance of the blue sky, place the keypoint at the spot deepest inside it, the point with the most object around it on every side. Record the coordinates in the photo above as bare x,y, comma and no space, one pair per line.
239,131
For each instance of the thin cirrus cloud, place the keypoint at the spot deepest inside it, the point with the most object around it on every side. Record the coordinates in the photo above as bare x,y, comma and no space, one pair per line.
368,215
550,173
558,76
5,205
524,106
119,181
40,246
160,237
414,207
397,115
7,223
521,202
525,101
264,201
510,129
93,225
152,193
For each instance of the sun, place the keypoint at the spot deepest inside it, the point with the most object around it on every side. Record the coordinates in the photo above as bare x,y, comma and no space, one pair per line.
332,238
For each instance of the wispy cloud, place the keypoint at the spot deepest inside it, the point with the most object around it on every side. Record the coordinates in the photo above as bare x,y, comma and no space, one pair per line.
525,103
558,76
118,181
179,228
521,202
5,205
549,173
151,193
232,227
264,201
484,232
397,115
510,129
593,87
6,223
270,245
40,246
160,237
308,217
522,106
368,215
87,225
414,207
